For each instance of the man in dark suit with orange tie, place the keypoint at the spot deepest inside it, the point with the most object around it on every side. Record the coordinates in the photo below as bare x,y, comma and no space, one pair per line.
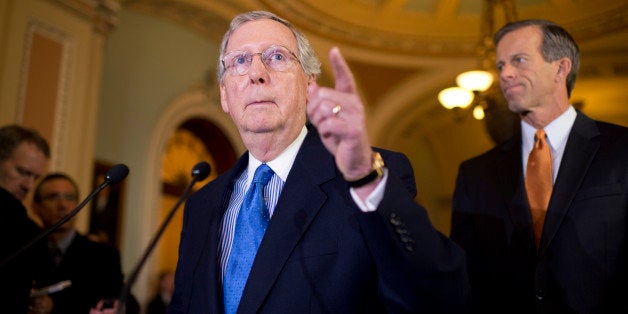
310,219
543,217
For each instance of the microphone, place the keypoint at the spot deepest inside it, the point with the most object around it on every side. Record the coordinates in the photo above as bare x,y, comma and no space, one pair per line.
200,171
114,175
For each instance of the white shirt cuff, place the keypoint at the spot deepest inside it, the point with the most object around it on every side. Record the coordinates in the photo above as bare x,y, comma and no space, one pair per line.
373,200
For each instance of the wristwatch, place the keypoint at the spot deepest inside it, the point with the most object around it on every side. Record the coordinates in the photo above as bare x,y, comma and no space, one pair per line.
378,172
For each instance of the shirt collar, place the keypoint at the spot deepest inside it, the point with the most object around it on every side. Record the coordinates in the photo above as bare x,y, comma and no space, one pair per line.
65,242
557,131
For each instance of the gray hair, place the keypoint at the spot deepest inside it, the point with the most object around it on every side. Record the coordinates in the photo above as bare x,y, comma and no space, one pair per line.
306,55
557,43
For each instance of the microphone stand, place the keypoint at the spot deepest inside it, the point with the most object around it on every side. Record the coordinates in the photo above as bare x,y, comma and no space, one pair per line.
114,175
199,173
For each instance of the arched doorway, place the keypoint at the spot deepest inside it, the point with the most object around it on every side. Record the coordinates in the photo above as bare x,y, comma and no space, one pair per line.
193,141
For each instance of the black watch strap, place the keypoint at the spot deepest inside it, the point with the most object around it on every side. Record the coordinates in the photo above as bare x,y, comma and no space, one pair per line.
365,180
378,171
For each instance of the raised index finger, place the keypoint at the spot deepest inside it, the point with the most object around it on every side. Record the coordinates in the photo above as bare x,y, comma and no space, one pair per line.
344,78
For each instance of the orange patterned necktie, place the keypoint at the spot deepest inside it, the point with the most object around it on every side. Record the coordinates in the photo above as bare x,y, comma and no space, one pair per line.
539,182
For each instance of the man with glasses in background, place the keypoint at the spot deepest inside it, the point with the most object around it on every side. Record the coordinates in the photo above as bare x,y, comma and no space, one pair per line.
84,271
311,219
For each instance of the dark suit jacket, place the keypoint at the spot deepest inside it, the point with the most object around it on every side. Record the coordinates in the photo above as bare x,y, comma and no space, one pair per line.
93,268
582,262
17,275
157,306
320,253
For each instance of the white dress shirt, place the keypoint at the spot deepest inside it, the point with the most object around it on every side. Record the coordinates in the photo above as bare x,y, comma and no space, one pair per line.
281,167
557,134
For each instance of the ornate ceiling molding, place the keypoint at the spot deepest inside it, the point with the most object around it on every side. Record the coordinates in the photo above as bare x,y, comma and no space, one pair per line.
405,41
594,25
444,30
102,13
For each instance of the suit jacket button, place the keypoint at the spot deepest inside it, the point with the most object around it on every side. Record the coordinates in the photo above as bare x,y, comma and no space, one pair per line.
394,220
540,294
406,239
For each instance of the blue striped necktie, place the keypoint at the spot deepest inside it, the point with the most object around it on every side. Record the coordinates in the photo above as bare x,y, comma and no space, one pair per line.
250,226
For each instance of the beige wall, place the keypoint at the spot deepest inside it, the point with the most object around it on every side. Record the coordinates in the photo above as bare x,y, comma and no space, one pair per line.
50,62
153,79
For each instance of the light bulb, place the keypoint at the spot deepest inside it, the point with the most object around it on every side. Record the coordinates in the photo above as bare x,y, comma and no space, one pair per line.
475,80
455,97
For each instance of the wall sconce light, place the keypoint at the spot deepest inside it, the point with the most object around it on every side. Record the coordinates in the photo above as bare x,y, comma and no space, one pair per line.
453,97
470,86
475,80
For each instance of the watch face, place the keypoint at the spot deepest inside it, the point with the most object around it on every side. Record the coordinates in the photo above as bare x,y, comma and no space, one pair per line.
378,171
183,151
378,163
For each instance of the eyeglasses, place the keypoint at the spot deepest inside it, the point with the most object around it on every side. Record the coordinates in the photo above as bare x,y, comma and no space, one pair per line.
55,197
276,58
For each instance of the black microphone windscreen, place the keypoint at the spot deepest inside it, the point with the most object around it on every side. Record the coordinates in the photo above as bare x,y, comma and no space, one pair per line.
201,171
116,174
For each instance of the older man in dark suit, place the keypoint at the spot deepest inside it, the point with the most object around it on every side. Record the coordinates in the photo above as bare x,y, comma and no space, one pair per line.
337,229
543,218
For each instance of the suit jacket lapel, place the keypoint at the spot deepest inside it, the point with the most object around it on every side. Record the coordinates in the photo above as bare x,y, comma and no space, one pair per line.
300,201
579,152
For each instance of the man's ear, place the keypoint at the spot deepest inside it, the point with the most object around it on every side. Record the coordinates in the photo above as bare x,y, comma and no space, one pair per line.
564,67
223,99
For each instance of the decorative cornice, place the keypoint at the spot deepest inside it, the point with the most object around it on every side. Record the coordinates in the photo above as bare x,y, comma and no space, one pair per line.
102,13
595,25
